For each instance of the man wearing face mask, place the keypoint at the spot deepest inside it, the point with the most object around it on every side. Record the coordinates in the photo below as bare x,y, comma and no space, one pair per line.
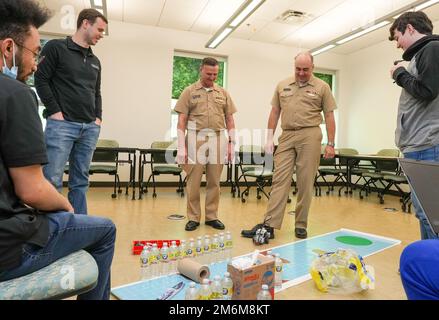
68,82
37,226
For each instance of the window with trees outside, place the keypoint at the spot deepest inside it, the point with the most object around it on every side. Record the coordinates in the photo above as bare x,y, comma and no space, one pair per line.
186,71
329,78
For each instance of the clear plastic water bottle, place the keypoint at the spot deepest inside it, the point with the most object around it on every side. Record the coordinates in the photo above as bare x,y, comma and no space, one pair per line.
229,245
206,250
155,260
182,250
173,256
270,253
190,252
144,264
217,289
205,292
264,294
278,265
221,247
164,259
199,250
227,285
192,292
214,249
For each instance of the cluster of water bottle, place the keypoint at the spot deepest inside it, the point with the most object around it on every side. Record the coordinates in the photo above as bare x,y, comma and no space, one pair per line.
218,289
264,293
155,262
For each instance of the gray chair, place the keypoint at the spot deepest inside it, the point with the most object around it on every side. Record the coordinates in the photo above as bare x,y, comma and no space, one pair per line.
160,166
253,164
328,168
106,162
54,281
382,168
246,162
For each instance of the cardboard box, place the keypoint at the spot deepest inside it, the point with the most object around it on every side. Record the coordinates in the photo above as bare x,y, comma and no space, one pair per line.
248,282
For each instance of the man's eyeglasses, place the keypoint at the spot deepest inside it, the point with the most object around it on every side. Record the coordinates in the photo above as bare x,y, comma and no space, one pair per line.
37,56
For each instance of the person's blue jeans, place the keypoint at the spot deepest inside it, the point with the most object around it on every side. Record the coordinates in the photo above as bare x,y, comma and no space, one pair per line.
69,233
419,270
73,142
431,154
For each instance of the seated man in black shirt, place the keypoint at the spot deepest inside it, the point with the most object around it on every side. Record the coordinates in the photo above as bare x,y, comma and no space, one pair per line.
37,225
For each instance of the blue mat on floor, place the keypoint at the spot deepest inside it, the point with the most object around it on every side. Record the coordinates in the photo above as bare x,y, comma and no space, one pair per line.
299,255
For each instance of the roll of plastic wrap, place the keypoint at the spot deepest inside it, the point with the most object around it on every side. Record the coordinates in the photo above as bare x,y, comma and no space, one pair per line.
193,270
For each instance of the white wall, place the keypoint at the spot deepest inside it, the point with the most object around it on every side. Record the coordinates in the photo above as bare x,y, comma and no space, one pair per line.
372,99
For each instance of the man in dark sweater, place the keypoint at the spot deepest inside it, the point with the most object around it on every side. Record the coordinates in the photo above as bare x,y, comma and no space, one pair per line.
417,132
68,82
37,225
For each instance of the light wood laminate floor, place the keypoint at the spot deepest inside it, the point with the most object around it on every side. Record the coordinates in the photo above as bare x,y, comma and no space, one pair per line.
147,219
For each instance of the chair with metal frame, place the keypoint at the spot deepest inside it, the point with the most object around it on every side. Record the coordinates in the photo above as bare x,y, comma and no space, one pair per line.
257,167
163,162
382,168
396,180
327,167
243,164
106,162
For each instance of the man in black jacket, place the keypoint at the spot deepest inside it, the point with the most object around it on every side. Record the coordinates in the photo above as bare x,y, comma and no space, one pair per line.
417,132
68,82
37,225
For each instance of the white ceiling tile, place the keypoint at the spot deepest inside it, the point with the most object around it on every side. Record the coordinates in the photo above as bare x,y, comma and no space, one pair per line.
355,14
181,15
257,26
115,9
364,42
274,32
143,11
56,5
216,13
270,9
250,28
330,18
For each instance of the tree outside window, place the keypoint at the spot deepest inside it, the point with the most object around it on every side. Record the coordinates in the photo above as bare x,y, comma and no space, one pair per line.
329,79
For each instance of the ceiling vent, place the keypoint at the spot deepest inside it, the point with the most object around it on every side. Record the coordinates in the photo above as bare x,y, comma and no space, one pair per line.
293,17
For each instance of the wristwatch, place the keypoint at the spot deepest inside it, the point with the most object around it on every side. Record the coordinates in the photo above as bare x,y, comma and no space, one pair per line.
331,144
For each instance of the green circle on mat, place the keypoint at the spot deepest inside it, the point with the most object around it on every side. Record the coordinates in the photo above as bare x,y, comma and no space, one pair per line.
354,241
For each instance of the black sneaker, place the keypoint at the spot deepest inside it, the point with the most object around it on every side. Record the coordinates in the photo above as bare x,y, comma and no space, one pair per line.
300,233
252,232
